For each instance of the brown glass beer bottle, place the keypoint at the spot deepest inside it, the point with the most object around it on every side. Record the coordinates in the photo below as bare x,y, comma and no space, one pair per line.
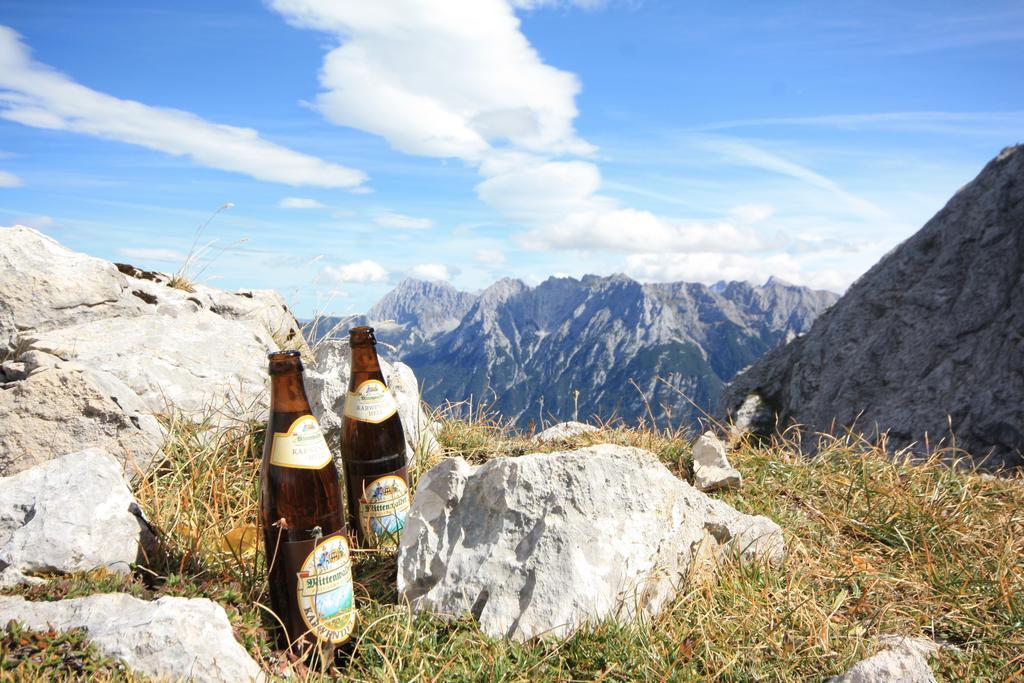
310,573
373,449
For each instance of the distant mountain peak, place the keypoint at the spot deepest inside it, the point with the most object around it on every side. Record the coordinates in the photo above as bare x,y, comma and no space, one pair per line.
775,281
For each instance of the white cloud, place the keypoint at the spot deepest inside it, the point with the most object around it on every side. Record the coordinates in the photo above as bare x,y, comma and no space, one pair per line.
459,79
36,95
39,222
536,4
401,222
987,123
360,271
710,267
8,179
642,232
546,191
300,203
165,255
494,257
747,154
431,271
448,79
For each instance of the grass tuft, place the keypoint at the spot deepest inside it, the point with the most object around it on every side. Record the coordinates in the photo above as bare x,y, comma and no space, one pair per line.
27,655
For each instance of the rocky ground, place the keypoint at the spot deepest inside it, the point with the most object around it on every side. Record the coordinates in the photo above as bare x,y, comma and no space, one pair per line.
592,558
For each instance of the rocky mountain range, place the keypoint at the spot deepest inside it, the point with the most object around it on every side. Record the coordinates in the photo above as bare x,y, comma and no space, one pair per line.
411,314
597,347
927,347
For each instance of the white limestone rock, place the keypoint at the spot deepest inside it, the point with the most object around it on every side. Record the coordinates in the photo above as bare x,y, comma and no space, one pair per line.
12,577
193,363
419,430
563,431
169,639
59,407
73,513
263,308
926,647
327,380
541,544
126,346
44,285
889,666
711,468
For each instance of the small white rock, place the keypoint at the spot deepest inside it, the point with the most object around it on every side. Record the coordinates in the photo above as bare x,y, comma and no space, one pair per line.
12,577
711,468
900,659
563,431
889,666
925,647
170,638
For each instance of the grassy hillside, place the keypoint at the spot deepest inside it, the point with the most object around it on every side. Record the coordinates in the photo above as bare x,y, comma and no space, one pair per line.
874,547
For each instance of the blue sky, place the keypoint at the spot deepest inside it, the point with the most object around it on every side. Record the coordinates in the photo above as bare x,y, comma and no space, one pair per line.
360,143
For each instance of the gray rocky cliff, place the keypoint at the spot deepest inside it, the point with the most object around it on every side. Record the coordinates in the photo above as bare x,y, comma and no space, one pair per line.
931,338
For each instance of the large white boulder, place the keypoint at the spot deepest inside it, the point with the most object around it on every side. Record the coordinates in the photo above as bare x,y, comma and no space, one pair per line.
74,513
171,638
44,285
264,308
327,380
197,362
59,407
122,337
544,543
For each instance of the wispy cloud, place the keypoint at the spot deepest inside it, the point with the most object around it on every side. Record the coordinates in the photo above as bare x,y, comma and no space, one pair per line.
300,203
494,257
747,154
35,95
360,271
401,222
8,179
162,255
954,123
431,271
582,4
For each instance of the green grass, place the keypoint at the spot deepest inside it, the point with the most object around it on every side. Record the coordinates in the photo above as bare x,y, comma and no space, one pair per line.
51,656
875,546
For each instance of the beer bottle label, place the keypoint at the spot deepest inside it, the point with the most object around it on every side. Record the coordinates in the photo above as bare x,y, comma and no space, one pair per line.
324,588
383,508
302,446
370,402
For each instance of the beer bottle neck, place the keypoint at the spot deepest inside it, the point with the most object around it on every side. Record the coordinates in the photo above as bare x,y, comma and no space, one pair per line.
364,360
287,393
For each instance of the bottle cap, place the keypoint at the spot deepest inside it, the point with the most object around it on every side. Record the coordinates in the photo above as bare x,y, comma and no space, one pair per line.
284,361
